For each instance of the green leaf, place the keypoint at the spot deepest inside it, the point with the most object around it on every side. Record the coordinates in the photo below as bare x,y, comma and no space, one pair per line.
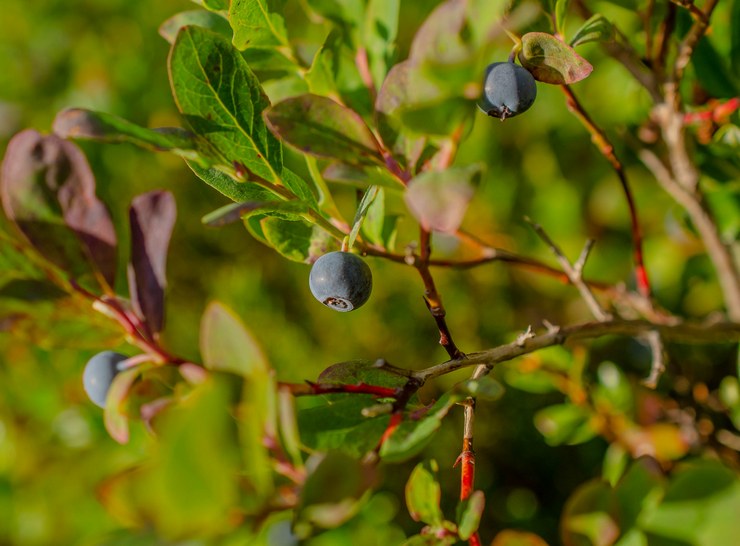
338,424
561,10
294,239
638,492
700,506
202,18
564,424
378,228
735,39
231,188
471,511
591,513
226,345
258,23
223,102
216,5
551,61
439,199
78,123
423,494
613,392
319,126
361,213
236,211
597,29
484,388
333,492
411,436
354,372
429,540
378,36
712,71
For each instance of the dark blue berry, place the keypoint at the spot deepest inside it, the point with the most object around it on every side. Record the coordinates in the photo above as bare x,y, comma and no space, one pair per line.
508,90
341,280
99,374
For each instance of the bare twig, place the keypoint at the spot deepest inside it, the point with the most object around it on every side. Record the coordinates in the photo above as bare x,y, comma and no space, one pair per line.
683,332
658,364
601,141
574,273
701,217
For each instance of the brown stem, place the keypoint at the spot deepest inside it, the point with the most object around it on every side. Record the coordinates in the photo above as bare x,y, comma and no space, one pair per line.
601,141
432,298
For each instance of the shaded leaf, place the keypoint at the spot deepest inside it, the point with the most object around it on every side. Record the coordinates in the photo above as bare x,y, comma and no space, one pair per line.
429,540
87,124
735,39
564,424
257,23
206,19
411,436
378,36
712,71
590,512
319,126
484,388
338,424
354,372
222,101
596,29
439,199
423,494
226,345
334,490
151,217
48,191
236,211
551,61
471,511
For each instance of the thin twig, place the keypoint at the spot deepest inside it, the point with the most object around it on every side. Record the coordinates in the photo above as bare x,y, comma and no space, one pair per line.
574,273
703,220
601,141
681,332
658,363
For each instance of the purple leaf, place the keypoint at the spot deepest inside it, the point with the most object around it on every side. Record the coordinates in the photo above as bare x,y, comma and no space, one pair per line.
152,217
439,199
48,191
551,61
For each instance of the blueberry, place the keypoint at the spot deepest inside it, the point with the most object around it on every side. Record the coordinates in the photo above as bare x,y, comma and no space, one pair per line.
99,373
508,90
341,280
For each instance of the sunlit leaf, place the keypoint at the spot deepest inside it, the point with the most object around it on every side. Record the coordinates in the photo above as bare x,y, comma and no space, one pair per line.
361,213
227,345
222,101
206,19
257,23
471,511
235,212
590,513
439,199
551,61
361,371
116,408
561,10
319,126
423,494
511,537
565,424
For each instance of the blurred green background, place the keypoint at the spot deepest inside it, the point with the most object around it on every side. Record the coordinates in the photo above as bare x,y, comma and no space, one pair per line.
107,55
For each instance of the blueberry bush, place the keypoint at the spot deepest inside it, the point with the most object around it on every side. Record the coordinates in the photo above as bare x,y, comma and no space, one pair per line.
531,209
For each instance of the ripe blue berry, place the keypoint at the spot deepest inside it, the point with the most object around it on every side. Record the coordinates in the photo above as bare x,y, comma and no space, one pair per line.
341,280
99,373
508,90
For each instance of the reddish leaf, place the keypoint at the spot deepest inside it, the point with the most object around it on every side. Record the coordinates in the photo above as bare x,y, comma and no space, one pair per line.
152,217
551,61
48,191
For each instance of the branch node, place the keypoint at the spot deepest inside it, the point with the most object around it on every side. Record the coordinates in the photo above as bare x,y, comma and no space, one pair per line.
522,338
